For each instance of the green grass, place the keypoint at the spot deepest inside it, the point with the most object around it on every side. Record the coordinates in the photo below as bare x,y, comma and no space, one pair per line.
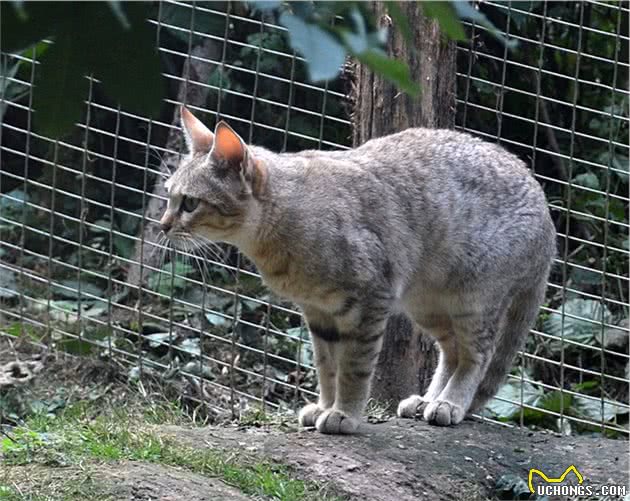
76,490
78,435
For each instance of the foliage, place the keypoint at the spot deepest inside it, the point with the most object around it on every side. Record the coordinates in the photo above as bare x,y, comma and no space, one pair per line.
582,321
325,35
511,486
98,38
538,404
205,331
585,177
9,89
76,436
113,42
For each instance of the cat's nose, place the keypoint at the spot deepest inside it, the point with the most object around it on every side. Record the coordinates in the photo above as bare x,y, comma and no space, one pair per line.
166,223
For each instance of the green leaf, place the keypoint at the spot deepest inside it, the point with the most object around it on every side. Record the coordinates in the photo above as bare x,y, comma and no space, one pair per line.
511,486
21,29
576,329
465,10
124,246
116,8
512,391
298,333
589,179
14,329
101,226
191,346
301,334
444,13
61,87
158,339
555,401
392,69
323,53
161,281
89,39
176,16
72,290
621,163
592,408
125,60
357,42
8,284
218,320
586,277
585,386
75,346
13,203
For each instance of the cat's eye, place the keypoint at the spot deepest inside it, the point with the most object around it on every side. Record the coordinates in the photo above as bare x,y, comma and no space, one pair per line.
189,204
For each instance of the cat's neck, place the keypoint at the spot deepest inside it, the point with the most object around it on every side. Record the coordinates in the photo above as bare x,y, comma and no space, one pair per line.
273,222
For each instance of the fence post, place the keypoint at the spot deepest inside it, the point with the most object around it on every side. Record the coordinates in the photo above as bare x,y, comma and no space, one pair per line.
408,358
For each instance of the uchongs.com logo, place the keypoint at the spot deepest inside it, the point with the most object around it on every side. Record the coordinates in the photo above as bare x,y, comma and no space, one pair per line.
562,486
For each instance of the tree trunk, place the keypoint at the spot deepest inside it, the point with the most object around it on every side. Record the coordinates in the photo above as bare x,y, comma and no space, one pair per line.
408,358
195,95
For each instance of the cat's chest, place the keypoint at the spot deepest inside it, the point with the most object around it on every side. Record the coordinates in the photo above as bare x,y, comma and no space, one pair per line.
304,289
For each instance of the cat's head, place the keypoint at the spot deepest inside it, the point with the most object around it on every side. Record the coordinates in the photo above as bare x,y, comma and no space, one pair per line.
216,190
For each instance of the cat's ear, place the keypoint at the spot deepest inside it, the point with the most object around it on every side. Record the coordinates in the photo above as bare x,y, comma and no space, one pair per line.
199,138
228,146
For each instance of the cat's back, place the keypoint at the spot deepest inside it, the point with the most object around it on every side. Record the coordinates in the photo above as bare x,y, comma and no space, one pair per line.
437,151
452,165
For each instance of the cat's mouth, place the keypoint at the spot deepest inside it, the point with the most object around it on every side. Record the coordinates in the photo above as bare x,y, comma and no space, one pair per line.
184,241
178,240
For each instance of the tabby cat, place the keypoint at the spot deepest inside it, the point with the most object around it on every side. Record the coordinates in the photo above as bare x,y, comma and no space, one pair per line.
451,230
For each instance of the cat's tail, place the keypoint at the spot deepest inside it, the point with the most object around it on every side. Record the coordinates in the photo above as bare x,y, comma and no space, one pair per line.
520,318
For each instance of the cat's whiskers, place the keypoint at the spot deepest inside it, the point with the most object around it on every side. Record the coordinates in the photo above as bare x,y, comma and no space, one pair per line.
200,258
155,154
217,254
164,245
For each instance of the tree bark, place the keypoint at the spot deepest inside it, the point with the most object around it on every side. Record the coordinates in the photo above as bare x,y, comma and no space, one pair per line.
194,95
408,358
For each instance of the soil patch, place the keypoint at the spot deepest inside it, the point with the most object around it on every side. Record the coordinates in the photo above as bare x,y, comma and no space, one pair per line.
128,481
408,460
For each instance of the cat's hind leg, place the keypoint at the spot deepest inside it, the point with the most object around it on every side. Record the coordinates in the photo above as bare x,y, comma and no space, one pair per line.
475,335
414,405
520,317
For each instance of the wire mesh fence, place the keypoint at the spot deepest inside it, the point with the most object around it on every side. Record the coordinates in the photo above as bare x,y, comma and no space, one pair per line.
83,271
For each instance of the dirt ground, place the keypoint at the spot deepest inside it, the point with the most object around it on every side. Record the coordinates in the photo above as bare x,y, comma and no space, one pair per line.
407,460
123,481
399,459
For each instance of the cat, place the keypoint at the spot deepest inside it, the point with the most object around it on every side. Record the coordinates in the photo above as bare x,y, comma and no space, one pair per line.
449,229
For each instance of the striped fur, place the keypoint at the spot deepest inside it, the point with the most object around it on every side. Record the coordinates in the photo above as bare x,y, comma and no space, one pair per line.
450,230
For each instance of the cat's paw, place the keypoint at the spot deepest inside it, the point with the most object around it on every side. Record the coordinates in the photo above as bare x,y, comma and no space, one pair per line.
336,422
412,407
444,413
309,414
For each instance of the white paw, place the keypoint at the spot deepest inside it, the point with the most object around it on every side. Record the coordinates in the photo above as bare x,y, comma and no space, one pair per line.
337,423
412,407
309,414
443,413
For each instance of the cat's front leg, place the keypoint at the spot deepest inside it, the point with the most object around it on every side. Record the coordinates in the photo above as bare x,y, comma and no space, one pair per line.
357,357
324,351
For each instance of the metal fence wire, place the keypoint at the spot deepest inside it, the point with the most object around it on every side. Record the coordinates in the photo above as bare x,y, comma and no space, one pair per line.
75,211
